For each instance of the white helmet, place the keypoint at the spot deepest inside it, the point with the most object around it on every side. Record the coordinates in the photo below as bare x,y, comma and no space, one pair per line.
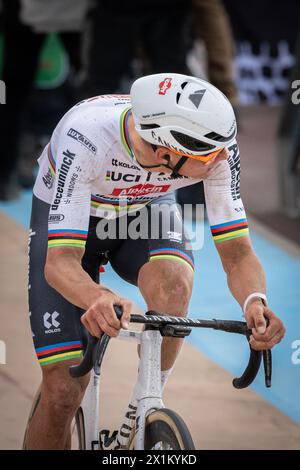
183,113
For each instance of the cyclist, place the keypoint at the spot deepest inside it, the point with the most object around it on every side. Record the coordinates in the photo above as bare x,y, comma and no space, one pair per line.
109,158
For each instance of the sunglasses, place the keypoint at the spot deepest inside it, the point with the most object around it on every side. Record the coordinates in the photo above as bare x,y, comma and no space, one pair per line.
202,158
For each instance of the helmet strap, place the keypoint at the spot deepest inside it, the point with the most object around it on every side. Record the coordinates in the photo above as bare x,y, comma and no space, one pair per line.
177,167
166,165
174,169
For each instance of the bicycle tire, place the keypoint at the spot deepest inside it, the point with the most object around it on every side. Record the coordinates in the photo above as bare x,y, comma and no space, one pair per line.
168,428
80,429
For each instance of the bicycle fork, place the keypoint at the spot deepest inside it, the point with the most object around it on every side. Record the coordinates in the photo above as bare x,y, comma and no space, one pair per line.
148,390
90,408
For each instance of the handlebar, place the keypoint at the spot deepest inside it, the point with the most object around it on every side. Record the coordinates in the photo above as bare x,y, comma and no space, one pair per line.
96,347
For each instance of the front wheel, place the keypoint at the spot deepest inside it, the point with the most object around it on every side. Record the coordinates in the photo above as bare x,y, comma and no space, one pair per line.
166,430
78,431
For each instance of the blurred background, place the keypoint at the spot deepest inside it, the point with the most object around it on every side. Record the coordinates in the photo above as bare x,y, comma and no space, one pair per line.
54,54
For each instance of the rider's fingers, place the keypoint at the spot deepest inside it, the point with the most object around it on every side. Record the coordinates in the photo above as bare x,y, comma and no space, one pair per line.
270,332
97,323
127,308
91,325
259,320
262,345
106,327
106,323
250,323
108,312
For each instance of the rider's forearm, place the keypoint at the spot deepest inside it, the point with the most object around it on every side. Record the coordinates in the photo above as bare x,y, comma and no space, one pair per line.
69,278
245,277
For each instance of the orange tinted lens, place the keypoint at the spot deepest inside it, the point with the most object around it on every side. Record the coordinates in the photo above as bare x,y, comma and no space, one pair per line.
201,158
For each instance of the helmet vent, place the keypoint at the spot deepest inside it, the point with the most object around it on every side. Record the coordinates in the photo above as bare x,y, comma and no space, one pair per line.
191,143
184,84
177,97
218,137
149,126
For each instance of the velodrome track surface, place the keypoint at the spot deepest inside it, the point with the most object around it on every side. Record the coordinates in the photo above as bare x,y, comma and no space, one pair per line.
199,389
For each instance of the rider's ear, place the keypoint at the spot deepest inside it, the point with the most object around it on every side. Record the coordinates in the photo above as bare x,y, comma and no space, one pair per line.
166,157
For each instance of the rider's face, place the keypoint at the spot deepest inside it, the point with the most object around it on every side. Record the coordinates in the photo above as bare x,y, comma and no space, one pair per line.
195,168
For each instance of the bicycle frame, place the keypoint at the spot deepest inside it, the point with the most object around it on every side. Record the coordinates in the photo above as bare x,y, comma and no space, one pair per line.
150,399
150,339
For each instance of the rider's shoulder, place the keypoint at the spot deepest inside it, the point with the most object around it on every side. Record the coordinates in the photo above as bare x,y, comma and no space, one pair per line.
88,125
89,116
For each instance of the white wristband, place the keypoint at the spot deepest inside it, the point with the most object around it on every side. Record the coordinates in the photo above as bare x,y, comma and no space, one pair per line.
259,295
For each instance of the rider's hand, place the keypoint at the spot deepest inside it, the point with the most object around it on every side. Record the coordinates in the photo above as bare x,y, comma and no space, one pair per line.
101,317
263,336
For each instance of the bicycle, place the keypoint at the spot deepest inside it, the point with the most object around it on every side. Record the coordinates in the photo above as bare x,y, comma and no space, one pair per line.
150,425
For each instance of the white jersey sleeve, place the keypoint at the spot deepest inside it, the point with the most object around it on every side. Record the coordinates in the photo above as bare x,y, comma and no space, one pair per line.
74,166
224,205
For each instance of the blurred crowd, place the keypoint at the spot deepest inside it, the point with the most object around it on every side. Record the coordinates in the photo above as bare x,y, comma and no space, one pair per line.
108,44
55,53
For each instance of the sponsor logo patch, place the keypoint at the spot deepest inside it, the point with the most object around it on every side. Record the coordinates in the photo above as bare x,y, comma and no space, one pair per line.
235,169
196,97
118,176
116,162
164,86
50,322
76,135
141,190
55,218
62,176
174,236
48,179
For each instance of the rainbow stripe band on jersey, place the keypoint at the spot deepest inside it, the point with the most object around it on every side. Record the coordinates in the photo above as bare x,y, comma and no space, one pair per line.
52,164
123,131
172,254
229,230
59,352
67,237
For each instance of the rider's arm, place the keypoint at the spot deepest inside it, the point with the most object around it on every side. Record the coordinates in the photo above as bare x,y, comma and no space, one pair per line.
244,271
229,227
64,272
230,232
245,276
76,166
68,221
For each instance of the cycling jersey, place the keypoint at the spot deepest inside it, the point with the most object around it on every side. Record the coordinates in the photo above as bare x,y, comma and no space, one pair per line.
88,169
58,333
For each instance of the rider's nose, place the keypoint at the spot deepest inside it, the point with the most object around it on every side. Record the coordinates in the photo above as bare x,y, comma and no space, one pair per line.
224,154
